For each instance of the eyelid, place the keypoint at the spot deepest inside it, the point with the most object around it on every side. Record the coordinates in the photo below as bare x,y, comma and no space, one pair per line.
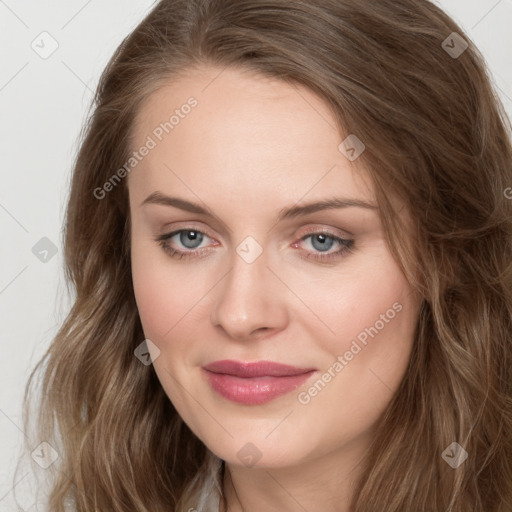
327,231
184,226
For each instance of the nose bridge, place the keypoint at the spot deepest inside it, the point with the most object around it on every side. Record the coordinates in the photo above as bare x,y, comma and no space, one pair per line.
248,280
249,298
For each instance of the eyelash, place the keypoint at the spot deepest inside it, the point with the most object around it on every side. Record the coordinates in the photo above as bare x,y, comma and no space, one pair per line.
347,246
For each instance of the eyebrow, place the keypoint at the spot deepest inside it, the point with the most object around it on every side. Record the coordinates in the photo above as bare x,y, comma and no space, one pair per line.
285,213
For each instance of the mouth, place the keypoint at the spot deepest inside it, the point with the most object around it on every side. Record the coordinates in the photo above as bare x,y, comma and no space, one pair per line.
254,383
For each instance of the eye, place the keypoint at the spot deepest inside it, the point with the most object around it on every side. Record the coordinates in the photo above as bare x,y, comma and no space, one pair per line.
189,238
323,241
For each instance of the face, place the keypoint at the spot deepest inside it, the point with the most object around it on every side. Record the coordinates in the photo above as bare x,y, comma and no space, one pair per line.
233,267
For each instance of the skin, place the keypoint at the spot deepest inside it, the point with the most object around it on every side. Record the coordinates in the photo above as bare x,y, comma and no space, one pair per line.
251,147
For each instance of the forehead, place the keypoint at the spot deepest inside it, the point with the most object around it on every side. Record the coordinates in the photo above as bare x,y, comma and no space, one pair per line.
218,127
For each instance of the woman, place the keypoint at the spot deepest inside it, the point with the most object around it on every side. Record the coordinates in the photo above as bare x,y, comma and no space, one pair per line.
289,236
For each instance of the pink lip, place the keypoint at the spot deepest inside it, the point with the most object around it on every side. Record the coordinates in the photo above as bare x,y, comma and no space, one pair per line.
254,383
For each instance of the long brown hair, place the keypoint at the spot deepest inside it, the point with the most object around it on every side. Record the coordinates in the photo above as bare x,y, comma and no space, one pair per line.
437,138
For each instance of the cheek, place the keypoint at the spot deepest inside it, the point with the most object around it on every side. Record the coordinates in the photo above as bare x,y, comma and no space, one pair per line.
372,301
168,300
373,318
154,303
153,290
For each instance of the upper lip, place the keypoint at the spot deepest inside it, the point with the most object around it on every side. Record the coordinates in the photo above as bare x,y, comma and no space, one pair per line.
255,369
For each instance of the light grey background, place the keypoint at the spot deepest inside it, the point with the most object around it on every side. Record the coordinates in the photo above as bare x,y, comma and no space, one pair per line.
43,103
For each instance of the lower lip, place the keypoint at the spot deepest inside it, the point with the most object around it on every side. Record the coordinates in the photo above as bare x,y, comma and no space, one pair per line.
254,391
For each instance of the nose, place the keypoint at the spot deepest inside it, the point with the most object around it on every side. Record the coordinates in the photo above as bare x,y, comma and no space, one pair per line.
250,301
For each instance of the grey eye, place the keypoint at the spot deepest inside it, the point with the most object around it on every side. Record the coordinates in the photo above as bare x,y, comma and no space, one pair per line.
189,237
321,242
